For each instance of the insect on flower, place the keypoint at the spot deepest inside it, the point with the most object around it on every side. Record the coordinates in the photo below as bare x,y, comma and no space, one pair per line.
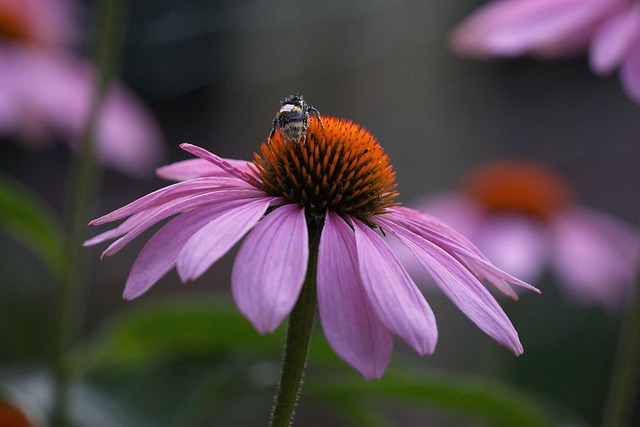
313,208
293,119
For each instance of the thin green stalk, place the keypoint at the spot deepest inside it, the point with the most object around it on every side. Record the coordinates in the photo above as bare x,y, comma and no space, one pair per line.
297,345
623,388
82,183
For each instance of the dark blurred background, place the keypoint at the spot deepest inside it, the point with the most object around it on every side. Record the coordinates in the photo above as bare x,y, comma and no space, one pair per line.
214,72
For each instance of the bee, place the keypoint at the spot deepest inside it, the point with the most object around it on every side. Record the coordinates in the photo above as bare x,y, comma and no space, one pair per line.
293,119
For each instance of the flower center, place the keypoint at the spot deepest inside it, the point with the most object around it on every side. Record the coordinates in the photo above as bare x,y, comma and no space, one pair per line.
518,186
10,415
12,27
341,168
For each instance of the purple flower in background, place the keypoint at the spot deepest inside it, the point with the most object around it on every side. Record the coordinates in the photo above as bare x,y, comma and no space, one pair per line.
339,187
617,44
608,29
521,216
46,91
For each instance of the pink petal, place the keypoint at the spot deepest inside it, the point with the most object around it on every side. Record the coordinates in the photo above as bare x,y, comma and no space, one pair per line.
349,322
515,27
462,249
461,287
393,295
630,71
56,91
213,240
127,135
270,267
159,254
167,194
140,222
196,168
433,229
460,217
219,162
596,257
459,213
611,43
114,233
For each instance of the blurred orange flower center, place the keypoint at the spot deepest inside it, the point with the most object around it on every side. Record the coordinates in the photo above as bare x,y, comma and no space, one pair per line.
11,416
13,25
341,168
518,186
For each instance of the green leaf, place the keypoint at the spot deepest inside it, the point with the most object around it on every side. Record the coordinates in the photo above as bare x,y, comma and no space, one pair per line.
185,328
27,218
360,413
469,396
175,329
182,329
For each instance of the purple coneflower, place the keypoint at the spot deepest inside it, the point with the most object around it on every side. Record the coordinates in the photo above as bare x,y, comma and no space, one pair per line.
47,92
522,217
608,29
317,202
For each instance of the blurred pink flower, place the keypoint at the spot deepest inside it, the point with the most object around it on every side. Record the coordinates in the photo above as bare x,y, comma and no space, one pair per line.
609,29
617,44
522,217
365,295
44,23
45,90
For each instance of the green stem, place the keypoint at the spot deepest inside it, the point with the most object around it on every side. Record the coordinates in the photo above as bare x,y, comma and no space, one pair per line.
624,381
297,344
82,183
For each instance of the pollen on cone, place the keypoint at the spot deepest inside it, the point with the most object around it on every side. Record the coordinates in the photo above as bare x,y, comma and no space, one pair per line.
341,168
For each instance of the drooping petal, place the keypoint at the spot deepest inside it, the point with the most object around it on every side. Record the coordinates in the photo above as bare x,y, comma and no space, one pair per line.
213,240
270,267
434,230
612,41
138,223
167,194
114,233
159,254
348,320
392,294
461,287
452,222
460,247
197,168
516,27
141,221
458,212
596,257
